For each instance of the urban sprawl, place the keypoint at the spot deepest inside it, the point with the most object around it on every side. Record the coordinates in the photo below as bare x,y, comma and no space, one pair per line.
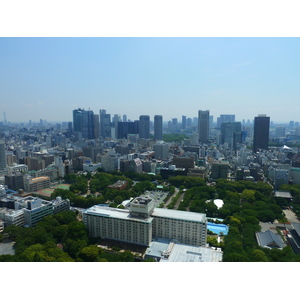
107,188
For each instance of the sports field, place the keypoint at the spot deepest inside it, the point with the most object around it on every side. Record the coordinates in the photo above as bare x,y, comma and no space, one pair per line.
47,192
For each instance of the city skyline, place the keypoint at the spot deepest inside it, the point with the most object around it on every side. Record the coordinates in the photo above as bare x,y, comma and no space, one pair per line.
47,78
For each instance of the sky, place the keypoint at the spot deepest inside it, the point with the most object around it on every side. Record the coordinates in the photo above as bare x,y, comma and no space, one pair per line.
46,78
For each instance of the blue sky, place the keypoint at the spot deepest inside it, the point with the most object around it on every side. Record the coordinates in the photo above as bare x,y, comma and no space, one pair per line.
46,78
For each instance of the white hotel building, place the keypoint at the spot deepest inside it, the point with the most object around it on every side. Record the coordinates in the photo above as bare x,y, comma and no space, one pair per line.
142,222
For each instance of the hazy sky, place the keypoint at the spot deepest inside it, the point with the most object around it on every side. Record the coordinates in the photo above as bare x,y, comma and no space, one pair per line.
46,78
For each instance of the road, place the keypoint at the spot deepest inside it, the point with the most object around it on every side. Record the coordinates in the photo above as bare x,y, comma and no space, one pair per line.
171,197
178,201
291,216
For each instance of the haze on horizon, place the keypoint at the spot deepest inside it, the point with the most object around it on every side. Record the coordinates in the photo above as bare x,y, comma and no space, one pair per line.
46,78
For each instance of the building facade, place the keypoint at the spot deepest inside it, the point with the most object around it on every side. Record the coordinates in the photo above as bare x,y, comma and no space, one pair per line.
261,133
144,127
142,222
203,126
158,127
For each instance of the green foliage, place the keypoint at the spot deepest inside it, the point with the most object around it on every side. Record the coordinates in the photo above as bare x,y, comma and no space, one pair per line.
187,182
174,137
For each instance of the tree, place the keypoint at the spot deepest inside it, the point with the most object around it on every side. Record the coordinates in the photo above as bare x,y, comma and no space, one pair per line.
248,195
259,255
89,253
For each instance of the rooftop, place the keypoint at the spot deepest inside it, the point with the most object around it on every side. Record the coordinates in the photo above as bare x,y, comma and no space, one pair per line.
171,251
111,212
178,214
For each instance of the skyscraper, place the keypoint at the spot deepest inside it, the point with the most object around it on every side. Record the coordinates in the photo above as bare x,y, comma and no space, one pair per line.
203,126
225,118
105,130
231,133
261,133
77,120
144,127
183,122
158,127
3,164
88,124
96,126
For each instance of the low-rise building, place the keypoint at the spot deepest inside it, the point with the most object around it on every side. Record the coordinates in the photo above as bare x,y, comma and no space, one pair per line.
12,217
35,209
268,239
36,184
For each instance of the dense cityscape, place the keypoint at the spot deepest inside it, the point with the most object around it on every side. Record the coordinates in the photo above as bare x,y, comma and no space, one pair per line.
103,187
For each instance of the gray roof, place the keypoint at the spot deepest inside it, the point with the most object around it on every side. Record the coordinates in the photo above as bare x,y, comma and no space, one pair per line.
187,253
296,227
283,194
166,250
269,239
179,215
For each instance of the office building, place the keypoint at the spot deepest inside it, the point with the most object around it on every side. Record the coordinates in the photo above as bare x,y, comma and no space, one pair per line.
183,122
219,169
12,217
77,120
261,133
203,126
88,124
280,131
35,209
14,181
3,164
161,150
231,133
125,128
144,127
96,126
225,118
105,126
158,127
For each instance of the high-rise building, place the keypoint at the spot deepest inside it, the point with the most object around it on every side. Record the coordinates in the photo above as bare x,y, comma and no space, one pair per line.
96,126
158,127
203,126
161,150
144,127
105,126
183,122
261,133
225,118
3,164
83,123
125,128
231,133
77,120
88,124
280,131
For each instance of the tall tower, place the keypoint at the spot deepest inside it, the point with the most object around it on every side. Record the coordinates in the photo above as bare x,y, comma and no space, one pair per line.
261,133
105,130
88,124
77,120
96,126
158,127
183,122
203,126
144,127
2,157
231,133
